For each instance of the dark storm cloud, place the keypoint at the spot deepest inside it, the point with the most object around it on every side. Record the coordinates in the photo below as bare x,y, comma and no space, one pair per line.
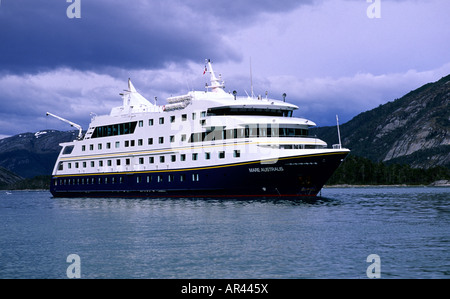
38,35
242,11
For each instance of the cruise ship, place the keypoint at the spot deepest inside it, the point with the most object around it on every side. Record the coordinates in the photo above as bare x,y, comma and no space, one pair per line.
208,143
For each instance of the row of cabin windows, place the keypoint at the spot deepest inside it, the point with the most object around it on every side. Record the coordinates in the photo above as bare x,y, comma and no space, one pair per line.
130,143
141,160
217,134
172,118
247,132
195,177
129,127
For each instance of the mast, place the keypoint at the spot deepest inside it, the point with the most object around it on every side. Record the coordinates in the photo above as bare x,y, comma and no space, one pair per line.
251,78
216,84
339,132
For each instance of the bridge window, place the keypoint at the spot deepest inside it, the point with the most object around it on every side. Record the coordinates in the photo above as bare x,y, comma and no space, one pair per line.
115,130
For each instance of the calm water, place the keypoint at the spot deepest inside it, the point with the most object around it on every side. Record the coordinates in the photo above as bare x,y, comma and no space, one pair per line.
330,237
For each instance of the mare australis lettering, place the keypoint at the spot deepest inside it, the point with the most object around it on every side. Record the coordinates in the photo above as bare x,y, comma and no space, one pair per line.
266,169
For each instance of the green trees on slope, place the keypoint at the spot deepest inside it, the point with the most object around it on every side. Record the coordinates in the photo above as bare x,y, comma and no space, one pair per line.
362,171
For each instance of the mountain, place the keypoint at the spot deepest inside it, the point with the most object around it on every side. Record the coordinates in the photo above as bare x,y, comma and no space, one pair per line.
32,154
414,129
7,177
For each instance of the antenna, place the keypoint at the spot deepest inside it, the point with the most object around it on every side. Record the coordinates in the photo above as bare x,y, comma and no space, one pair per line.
339,133
251,78
216,84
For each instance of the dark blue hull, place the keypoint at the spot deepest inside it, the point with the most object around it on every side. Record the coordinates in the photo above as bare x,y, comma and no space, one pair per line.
290,176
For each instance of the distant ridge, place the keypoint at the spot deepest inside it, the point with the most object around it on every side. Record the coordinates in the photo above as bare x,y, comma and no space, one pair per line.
32,154
414,129
7,177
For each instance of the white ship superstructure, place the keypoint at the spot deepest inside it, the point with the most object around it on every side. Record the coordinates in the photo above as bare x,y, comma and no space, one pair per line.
203,143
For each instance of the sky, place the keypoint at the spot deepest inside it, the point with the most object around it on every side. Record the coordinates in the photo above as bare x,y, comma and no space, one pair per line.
331,57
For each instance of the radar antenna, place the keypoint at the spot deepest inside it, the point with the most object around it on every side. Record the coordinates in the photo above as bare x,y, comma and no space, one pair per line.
217,85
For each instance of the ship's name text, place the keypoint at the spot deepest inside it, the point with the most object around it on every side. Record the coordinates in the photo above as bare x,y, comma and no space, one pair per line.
266,169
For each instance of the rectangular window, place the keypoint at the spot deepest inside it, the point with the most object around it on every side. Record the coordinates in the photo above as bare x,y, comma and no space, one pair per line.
117,144
69,165
150,141
91,147
99,146
172,118
194,116
183,137
127,143
221,155
84,165
83,148
92,164
183,157
184,117
194,157
172,139
127,161
141,123
151,160
114,130
161,120
141,160
150,122
109,163
140,142
173,158
118,162
77,165
237,153
100,163
132,142
108,145
162,159
207,156
161,140
195,177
